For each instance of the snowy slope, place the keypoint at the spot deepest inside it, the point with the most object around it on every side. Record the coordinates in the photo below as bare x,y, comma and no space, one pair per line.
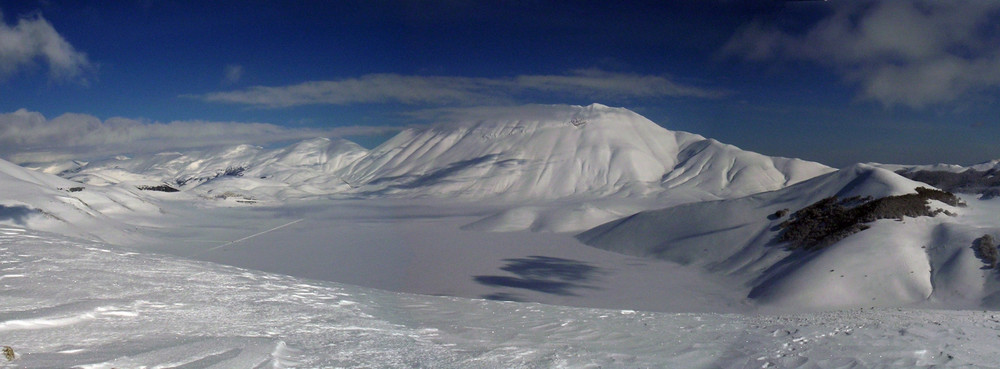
304,168
47,202
981,179
531,153
551,152
940,167
75,304
893,263
546,168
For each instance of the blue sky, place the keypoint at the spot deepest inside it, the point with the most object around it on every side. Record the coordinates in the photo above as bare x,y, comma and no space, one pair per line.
832,81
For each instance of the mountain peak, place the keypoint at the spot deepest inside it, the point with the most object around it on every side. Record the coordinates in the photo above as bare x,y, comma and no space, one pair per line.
555,151
525,152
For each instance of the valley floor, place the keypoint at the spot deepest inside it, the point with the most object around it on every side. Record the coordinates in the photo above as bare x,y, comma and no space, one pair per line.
71,303
419,246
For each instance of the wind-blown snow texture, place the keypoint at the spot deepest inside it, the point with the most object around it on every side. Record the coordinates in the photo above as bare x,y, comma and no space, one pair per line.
76,304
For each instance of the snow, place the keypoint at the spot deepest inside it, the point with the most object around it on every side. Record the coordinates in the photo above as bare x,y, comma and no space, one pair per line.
91,305
941,167
53,203
895,263
452,246
553,163
419,246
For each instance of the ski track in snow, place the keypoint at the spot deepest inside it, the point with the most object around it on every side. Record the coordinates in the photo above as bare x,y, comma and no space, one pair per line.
83,305
252,236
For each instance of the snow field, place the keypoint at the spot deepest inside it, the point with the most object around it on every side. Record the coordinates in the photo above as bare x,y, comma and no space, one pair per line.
86,305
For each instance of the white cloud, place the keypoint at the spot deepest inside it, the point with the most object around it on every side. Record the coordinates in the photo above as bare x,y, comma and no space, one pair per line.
384,88
233,73
27,136
461,116
32,39
597,82
912,53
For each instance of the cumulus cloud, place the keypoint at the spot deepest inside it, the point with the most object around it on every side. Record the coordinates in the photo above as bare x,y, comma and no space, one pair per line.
34,39
27,136
396,88
233,73
910,53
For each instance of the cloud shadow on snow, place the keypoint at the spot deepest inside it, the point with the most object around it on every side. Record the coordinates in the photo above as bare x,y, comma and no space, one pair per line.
17,214
545,274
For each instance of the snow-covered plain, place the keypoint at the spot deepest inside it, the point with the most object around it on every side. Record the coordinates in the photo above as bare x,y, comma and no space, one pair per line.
324,254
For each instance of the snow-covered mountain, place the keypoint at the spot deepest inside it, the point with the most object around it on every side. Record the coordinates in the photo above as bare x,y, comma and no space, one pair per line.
306,168
550,167
895,262
375,219
48,202
941,167
531,153
982,178
551,152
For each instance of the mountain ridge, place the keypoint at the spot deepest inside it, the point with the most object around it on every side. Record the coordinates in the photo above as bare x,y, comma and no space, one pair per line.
892,262
535,152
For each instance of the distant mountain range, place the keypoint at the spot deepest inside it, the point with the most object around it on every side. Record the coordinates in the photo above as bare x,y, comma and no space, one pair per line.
632,186
535,153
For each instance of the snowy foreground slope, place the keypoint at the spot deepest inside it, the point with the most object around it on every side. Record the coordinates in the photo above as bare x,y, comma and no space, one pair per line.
75,304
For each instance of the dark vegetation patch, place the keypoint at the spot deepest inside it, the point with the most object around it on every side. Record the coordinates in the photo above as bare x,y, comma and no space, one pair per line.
984,183
986,250
232,171
832,219
72,189
779,214
161,188
235,171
